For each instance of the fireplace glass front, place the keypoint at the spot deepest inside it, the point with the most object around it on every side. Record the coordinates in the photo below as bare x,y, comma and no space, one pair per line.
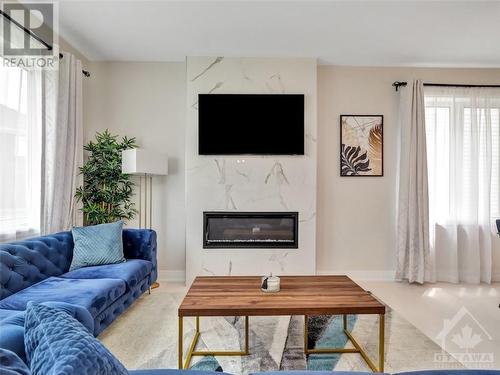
250,230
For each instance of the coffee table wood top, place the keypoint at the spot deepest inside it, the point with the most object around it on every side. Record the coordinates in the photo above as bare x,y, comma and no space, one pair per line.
299,295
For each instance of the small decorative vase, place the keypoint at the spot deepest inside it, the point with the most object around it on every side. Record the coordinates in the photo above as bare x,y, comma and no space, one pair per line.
270,284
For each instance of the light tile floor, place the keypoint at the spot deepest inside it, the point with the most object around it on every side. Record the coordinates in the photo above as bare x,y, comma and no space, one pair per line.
427,306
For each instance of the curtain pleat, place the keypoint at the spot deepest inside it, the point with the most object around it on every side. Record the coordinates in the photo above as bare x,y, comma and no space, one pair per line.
414,258
63,139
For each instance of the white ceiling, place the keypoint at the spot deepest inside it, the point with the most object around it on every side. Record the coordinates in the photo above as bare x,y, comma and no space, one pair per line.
369,33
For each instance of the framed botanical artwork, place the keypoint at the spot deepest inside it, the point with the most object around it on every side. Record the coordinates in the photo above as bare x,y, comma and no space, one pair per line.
361,145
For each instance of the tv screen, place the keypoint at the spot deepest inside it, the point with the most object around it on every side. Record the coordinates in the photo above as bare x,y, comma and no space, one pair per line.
258,124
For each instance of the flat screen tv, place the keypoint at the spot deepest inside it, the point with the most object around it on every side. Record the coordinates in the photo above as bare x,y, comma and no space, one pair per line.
251,124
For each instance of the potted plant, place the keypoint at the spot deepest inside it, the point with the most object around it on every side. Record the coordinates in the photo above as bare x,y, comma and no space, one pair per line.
106,192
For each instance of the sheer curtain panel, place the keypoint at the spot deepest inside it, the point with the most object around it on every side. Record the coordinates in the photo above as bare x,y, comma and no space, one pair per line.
20,152
463,146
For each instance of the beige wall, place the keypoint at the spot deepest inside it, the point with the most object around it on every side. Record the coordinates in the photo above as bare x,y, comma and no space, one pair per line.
356,216
147,101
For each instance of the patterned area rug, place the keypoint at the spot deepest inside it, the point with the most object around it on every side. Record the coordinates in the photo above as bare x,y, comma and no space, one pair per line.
146,337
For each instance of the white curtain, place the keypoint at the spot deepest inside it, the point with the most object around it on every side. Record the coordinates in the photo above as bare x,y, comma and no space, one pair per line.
62,139
20,152
464,180
414,258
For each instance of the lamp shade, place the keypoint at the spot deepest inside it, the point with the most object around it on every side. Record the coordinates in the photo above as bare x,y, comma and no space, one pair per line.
140,161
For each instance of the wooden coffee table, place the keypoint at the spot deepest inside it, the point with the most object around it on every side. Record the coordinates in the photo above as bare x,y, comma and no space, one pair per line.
299,295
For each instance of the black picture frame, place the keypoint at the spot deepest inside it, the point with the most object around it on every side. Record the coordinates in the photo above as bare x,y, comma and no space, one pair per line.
342,143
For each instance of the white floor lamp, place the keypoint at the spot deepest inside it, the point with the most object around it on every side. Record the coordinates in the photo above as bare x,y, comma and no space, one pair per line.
145,164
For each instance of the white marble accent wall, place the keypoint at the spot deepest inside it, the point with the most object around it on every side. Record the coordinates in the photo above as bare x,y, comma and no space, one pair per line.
250,183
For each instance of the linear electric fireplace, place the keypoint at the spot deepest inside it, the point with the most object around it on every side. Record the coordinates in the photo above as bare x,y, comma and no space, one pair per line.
250,230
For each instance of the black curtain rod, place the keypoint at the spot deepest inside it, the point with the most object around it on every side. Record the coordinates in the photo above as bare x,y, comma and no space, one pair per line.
86,73
399,84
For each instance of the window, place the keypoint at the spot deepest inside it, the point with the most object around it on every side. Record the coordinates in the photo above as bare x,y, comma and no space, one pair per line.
20,153
463,154
495,165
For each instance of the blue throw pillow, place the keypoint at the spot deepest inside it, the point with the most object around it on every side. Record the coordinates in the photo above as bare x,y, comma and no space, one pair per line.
11,364
96,245
57,343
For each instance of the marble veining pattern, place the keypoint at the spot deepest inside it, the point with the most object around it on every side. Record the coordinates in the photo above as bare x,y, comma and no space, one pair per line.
243,174
217,86
250,183
275,80
277,174
229,201
221,167
215,62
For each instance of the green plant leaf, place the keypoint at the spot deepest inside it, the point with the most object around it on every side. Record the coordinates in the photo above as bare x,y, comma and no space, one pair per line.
106,192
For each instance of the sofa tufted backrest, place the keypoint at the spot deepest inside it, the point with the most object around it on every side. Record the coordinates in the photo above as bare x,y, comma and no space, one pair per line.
141,244
24,263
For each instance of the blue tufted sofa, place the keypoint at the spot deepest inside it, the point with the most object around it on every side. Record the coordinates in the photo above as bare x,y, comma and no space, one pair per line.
10,364
37,270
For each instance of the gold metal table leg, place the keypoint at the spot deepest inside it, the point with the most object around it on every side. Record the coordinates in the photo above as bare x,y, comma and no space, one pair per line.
357,347
192,347
306,335
381,342
181,343
192,352
247,349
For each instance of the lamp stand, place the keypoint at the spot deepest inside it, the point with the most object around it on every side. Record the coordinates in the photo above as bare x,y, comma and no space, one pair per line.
148,207
146,215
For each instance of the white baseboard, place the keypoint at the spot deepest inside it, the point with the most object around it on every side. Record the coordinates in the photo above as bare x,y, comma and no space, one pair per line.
172,276
377,275
179,276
